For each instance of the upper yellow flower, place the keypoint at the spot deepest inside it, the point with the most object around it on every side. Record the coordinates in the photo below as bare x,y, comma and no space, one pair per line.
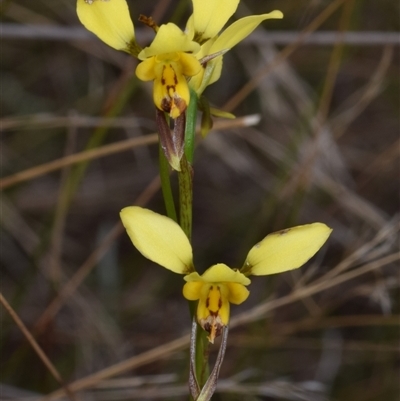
161,240
174,56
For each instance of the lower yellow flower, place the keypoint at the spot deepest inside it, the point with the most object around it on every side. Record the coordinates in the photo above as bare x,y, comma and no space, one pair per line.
215,289
161,240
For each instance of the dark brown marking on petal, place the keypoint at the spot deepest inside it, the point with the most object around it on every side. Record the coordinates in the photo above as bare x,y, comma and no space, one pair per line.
166,104
213,326
180,104
175,77
283,232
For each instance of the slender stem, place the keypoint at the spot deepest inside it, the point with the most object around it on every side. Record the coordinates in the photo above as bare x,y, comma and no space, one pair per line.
166,185
190,128
185,176
193,383
202,353
211,384
185,179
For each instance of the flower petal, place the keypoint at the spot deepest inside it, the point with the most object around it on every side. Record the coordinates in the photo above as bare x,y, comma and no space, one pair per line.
286,250
238,293
221,273
240,29
158,238
207,75
190,65
146,69
209,17
110,21
169,39
192,290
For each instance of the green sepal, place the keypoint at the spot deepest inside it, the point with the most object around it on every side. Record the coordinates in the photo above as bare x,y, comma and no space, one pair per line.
206,119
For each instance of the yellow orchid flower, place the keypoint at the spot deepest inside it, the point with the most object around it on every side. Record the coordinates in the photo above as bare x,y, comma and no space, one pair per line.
174,56
161,240
168,61
207,20
175,59
215,289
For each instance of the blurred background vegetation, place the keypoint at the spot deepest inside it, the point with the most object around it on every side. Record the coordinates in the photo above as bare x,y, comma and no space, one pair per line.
77,146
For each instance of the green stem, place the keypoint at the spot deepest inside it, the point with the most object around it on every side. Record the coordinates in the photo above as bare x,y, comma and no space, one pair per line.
185,179
185,176
165,177
202,352
190,127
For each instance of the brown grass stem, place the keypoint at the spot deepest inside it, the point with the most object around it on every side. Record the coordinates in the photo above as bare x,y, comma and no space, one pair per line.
76,280
108,150
236,99
36,347
257,312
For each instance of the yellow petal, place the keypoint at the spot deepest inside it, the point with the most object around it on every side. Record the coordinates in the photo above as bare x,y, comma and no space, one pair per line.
190,65
192,290
238,293
192,277
221,113
240,29
169,39
221,273
110,21
158,238
189,30
207,75
286,250
213,309
202,309
170,91
146,69
209,17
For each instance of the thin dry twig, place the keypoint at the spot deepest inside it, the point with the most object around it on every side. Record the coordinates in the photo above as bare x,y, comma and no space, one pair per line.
154,354
45,31
235,100
302,175
61,212
76,280
110,149
257,312
36,347
387,231
87,155
355,104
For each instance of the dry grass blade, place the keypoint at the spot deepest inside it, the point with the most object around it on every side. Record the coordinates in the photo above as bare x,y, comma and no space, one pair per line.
155,354
108,150
36,347
76,158
259,311
282,56
76,280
